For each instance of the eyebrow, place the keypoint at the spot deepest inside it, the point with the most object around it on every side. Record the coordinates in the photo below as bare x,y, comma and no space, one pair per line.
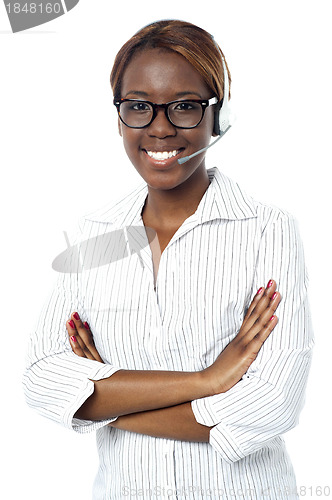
141,93
188,92
137,92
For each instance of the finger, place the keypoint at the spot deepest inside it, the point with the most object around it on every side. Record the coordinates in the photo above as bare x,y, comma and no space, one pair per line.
262,301
77,343
86,324
89,332
263,319
85,339
266,309
254,302
72,332
257,341
261,294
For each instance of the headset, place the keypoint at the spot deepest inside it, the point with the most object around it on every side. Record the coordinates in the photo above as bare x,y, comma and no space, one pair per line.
223,116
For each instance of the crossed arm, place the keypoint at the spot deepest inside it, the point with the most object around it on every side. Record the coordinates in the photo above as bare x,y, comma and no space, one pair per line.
158,403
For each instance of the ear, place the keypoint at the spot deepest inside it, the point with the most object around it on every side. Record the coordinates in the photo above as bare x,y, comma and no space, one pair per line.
120,127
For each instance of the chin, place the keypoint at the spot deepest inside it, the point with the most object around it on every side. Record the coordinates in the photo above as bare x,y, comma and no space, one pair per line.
168,182
163,182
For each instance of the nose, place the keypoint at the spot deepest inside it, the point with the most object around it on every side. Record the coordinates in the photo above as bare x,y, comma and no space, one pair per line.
161,126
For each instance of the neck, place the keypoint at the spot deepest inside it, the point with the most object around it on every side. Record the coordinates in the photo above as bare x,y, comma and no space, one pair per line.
165,208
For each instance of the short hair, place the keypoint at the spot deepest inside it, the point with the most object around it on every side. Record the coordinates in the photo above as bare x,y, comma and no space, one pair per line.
196,45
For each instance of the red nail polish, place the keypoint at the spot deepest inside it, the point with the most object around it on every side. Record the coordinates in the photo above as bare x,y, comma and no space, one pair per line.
72,324
274,295
73,339
270,283
272,318
76,316
260,290
86,325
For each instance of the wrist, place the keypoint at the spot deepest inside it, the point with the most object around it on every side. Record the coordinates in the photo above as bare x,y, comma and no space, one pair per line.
207,382
210,382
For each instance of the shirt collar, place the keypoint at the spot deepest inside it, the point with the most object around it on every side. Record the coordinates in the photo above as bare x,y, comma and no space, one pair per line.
223,199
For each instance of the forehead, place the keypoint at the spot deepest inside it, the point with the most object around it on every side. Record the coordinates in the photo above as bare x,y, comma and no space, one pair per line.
162,74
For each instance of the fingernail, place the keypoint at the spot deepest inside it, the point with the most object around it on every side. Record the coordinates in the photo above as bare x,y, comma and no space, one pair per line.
76,316
73,339
274,295
270,283
72,324
272,318
260,290
86,325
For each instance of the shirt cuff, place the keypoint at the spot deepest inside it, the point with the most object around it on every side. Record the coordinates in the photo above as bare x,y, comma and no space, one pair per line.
220,435
203,412
222,441
86,389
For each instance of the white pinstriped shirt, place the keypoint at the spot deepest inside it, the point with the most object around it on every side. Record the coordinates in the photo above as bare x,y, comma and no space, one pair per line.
208,274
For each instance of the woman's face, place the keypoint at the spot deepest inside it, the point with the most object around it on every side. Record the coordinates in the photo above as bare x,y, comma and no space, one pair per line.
162,76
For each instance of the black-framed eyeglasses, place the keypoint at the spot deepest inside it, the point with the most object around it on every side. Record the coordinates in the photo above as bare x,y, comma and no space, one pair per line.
182,114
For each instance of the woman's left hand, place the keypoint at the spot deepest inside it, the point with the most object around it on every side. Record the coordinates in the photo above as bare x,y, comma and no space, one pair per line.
81,339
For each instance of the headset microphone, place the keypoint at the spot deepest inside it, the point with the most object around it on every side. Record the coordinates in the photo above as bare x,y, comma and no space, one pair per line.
223,117
187,158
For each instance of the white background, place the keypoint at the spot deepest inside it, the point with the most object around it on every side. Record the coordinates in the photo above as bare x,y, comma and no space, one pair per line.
61,157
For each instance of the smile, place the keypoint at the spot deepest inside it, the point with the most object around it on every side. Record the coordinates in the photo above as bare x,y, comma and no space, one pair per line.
163,155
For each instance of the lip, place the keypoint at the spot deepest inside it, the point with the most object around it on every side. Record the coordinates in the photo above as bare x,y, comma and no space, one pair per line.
163,163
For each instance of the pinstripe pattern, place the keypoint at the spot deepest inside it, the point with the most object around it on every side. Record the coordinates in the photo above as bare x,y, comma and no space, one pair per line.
207,276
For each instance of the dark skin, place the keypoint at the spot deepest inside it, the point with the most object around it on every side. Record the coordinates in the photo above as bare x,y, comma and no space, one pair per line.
157,403
149,402
174,191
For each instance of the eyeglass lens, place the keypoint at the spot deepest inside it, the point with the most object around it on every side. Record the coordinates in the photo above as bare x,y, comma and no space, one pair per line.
181,114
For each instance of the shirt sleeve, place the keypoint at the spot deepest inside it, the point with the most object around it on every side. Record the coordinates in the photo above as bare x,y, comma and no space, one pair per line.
56,381
268,399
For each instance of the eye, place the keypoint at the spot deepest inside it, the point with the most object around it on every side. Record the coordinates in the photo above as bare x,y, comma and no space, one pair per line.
185,106
139,106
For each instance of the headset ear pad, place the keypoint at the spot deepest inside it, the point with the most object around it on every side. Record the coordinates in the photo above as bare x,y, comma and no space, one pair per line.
216,126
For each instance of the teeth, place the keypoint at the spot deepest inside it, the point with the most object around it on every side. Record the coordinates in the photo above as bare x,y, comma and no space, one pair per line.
162,155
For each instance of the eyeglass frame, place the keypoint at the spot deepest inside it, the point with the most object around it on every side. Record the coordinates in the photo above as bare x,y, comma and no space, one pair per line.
155,107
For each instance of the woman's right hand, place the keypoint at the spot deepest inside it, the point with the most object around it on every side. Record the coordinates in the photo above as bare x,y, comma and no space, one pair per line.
235,359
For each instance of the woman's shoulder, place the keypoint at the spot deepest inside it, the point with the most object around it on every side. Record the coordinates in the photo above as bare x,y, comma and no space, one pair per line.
271,214
273,219
237,196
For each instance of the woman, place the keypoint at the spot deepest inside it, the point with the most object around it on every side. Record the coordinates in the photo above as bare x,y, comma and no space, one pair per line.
172,352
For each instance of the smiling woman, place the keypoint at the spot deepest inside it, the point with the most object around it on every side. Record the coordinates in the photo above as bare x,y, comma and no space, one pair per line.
149,73
174,353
